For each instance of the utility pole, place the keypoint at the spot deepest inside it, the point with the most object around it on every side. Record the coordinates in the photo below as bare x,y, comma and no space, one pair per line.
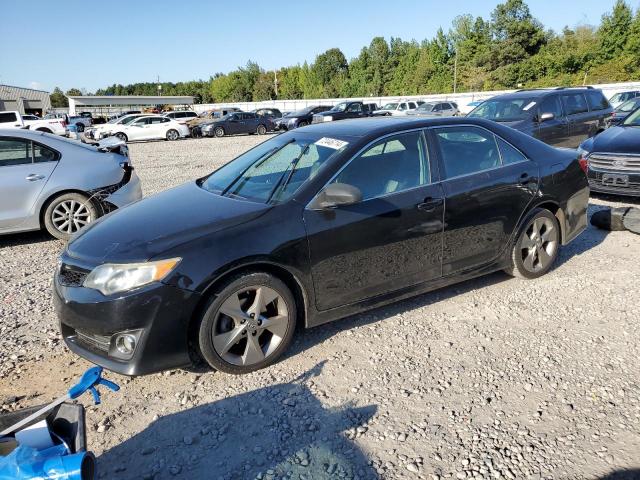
455,72
275,82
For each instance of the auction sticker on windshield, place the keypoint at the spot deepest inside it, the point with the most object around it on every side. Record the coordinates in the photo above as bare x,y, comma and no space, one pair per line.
331,143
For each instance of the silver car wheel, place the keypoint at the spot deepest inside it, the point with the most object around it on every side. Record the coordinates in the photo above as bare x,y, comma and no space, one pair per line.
539,244
172,135
69,216
250,325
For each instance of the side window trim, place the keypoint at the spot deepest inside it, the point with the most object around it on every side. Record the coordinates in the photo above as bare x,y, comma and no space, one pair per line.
495,139
366,147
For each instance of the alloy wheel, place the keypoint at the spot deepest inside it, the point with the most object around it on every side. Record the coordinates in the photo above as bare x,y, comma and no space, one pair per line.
69,216
250,325
172,135
539,244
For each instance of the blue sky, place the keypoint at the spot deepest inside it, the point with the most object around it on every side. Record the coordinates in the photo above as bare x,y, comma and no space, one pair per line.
92,44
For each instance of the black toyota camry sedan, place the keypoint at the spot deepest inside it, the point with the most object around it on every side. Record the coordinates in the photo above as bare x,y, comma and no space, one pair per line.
613,158
310,226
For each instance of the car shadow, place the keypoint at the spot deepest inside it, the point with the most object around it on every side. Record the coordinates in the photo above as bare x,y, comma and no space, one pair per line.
25,238
635,201
626,474
281,430
590,238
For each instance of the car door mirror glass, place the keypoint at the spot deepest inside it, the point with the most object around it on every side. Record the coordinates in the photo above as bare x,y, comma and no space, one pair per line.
336,194
545,117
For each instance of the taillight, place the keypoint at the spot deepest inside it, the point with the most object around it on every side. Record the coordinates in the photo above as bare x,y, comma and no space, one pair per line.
584,164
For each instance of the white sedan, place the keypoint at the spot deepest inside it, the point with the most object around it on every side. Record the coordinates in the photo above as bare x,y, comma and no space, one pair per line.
396,109
151,127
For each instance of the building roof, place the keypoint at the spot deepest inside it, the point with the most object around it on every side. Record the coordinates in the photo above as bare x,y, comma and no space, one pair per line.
96,100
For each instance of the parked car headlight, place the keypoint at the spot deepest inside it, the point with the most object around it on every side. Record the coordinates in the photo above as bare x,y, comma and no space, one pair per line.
111,278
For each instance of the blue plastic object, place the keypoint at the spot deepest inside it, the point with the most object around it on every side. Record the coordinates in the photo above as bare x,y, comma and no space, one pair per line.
26,463
89,381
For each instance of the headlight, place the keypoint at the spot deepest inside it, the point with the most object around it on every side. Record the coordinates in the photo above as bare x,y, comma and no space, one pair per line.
112,278
328,118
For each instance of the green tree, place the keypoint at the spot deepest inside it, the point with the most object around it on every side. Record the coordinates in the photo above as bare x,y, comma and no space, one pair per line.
614,30
58,99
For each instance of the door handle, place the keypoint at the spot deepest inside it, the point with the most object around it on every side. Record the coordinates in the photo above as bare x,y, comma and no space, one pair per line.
430,204
33,177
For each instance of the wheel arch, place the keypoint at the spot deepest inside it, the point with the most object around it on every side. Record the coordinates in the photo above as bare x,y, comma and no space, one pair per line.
557,211
52,197
292,281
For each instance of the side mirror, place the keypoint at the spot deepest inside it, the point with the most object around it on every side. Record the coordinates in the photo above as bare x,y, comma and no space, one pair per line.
545,117
335,195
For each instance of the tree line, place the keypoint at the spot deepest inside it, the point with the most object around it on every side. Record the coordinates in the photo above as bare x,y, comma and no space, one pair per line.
510,49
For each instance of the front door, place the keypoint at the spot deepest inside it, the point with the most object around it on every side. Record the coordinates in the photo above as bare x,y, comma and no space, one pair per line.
392,238
554,131
488,185
581,121
22,178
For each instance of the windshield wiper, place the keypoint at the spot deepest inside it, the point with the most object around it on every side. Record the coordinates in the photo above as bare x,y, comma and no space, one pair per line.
265,157
294,164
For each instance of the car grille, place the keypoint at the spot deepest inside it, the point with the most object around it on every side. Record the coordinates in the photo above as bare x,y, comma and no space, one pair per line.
71,276
615,162
91,340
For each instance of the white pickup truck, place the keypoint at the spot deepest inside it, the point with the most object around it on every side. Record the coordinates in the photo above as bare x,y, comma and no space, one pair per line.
13,119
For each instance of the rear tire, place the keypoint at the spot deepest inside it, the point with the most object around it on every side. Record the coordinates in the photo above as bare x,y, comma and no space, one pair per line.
536,247
68,213
172,135
240,340
261,130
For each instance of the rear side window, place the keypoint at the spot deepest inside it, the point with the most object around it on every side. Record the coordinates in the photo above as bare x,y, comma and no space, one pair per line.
44,154
8,117
467,150
14,152
596,100
508,153
574,103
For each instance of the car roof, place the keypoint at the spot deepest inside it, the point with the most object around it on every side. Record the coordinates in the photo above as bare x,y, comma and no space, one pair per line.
376,126
540,92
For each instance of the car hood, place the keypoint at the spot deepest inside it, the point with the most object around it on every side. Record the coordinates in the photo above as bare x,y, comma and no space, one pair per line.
150,227
615,140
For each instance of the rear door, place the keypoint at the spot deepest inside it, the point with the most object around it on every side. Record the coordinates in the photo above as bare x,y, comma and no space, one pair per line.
25,168
556,130
251,121
488,185
581,121
391,239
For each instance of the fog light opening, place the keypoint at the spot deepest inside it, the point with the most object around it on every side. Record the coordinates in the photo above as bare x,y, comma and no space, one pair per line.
126,343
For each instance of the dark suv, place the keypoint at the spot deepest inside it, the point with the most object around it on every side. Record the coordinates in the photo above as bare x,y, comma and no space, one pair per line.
562,117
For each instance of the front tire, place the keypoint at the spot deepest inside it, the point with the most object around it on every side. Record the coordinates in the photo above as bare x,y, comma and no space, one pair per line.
219,132
80,127
247,324
303,124
68,213
172,135
536,248
121,136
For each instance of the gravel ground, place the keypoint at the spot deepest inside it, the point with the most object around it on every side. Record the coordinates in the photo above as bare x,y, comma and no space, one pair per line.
491,378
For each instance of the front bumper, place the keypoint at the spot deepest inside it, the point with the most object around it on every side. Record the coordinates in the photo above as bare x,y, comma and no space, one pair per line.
129,193
613,183
159,314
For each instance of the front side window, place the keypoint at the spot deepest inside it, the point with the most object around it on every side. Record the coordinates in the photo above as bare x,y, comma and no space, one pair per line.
272,171
551,105
467,150
412,105
633,120
341,107
403,106
140,122
14,152
575,103
7,117
157,119
391,165
355,107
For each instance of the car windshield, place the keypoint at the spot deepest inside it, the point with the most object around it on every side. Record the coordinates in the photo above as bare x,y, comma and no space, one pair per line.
341,107
633,120
629,105
390,106
426,107
272,171
616,98
506,109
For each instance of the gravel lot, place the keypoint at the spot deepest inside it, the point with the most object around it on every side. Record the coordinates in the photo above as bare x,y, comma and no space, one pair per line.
491,378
